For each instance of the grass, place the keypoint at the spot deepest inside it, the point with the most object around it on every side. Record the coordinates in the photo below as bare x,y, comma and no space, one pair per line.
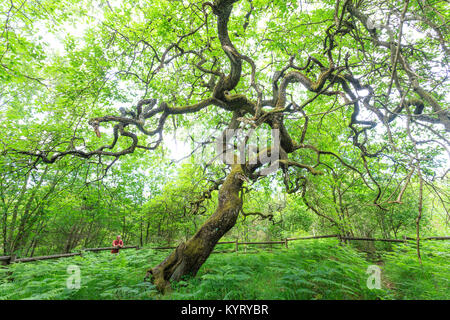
319,269
428,281
103,276
315,269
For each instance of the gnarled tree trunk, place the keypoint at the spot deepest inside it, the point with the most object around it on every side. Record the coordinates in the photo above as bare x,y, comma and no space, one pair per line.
189,256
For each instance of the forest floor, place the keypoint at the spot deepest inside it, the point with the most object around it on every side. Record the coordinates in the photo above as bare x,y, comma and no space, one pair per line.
317,269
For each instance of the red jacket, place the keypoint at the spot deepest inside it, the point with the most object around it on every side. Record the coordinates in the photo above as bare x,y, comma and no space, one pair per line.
116,243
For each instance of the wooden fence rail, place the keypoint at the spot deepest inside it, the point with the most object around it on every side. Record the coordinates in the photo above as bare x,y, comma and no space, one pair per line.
372,239
430,238
55,256
12,259
263,242
109,248
314,237
4,260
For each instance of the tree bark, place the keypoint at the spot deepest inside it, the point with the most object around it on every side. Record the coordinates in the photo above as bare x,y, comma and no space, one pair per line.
189,256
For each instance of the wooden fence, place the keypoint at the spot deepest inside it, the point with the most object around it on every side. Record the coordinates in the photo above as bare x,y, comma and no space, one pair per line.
12,259
4,260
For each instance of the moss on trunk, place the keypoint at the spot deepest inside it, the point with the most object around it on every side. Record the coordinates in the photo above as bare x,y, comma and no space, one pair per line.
189,256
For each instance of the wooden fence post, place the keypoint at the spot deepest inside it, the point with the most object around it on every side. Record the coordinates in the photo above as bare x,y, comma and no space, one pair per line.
286,243
12,259
237,246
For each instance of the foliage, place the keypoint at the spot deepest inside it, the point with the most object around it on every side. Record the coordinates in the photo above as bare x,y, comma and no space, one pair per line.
97,99
103,276
313,269
410,280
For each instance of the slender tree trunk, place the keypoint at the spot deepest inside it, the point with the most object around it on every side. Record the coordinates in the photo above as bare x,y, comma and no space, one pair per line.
189,256
34,247
141,234
147,232
12,225
124,226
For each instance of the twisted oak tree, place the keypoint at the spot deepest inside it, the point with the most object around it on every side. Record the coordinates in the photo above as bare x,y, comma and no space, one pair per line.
361,65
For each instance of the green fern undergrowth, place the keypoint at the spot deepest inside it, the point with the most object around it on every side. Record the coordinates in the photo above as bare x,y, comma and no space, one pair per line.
316,269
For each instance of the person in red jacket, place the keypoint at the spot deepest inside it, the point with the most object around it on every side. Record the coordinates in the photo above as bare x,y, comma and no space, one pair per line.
117,244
